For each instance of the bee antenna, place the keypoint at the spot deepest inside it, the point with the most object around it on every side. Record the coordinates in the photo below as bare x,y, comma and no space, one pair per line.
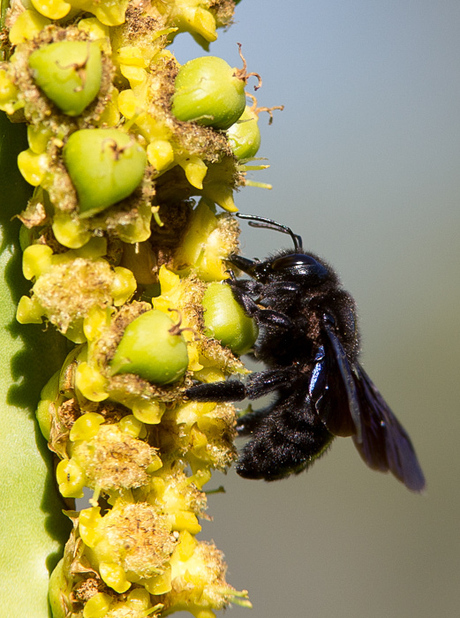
256,221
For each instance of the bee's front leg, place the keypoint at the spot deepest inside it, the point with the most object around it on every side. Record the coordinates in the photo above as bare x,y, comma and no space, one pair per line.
230,390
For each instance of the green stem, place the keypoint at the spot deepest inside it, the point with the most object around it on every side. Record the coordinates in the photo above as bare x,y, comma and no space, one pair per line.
33,528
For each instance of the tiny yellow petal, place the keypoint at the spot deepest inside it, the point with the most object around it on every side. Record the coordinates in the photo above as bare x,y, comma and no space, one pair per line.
186,547
48,398
54,9
189,412
209,374
95,248
90,383
198,439
114,576
108,12
184,520
8,92
168,279
87,525
38,137
71,479
222,195
86,427
123,286
148,412
95,322
201,477
27,25
193,357
161,584
128,104
205,24
97,606
196,20
36,260
155,465
135,75
132,56
163,304
160,154
32,166
70,232
202,245
93,27
195,170
29,311
138,599
75,332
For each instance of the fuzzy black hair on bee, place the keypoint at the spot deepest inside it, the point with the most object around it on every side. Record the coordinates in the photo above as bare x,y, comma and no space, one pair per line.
309,342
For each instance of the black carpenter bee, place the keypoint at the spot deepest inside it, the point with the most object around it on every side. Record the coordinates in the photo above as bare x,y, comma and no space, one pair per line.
310,343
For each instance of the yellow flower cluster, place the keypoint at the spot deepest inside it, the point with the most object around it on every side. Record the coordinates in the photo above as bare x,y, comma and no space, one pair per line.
94,81
70,286
137,84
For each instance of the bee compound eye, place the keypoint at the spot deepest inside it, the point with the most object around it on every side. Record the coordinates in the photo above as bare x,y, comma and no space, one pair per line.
291,261
300,264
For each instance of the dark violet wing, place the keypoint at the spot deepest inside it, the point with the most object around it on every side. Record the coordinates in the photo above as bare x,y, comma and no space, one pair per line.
385,444
332,387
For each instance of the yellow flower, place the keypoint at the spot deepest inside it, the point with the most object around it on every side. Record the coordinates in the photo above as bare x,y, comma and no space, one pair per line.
130,543
198,579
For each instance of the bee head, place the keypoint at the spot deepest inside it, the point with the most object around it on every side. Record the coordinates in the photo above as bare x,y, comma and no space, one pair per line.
296,266
287,265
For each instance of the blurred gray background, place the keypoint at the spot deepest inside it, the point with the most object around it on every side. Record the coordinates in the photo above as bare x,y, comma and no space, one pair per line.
365,165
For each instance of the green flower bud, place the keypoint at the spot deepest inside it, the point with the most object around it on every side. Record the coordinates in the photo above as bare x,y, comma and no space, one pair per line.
69,73
153,348
105,165
244,135
226,321
209,92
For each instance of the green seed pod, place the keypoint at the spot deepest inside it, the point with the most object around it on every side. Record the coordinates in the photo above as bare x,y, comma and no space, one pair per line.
244,135
69,73
105,166
209,92
152,348
226,321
